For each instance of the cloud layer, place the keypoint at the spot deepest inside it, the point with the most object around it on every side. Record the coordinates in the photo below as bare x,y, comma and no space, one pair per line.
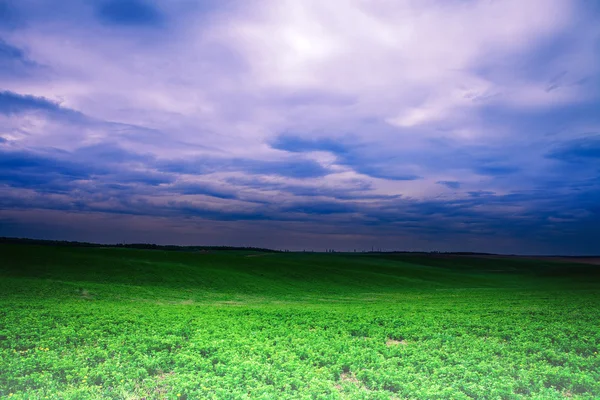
416,125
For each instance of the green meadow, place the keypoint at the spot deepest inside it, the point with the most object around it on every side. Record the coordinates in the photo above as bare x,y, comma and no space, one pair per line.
118,323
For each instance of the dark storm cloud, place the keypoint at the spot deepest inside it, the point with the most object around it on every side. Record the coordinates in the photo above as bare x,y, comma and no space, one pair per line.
298,168
197,166
30,162
11,103
319,208
398,165
205,189
293,168
495,170
8,15
14,62
297,144
450,184
352,155
58,171
110,153
353,190
480,193
584,150
385,171
534,214
129,12
11,53
141,177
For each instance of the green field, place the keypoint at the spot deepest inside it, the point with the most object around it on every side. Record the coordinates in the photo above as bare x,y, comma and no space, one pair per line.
95,323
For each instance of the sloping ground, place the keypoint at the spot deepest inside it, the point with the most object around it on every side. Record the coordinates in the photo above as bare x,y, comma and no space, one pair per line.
105,323
519,265
144,273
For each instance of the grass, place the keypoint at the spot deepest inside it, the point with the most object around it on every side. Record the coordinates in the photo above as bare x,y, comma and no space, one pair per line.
91,323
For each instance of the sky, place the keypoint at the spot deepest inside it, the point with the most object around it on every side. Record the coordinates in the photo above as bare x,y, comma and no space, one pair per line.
420,125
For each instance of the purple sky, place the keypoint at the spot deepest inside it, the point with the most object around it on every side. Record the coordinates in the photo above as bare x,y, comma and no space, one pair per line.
453,125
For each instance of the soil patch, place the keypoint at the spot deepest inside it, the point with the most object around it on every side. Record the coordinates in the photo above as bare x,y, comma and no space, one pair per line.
394,342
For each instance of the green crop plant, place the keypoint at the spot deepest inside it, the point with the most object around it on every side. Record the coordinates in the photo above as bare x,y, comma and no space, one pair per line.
105,323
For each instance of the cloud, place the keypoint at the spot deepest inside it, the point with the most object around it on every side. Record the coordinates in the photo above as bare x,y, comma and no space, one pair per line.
321,118
353,189
205,189
142,177
289,168
129,12
41,163
293,168
297,144
16,65
11,103
48,172
494,170
58,171
319,208
583,150
450,184
351,155
480,193
8,17
107,152
10,53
